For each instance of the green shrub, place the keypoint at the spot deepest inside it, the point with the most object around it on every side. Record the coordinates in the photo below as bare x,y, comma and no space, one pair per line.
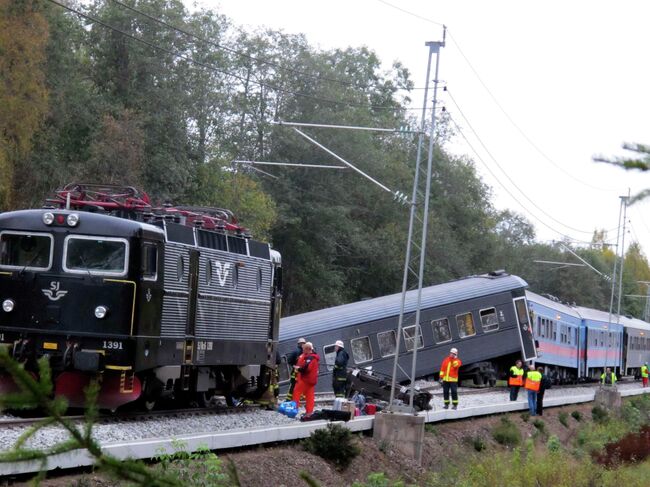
506,433
201,468
378,479
479,443
553,444
563,417
577,415
430,428
540,425
335,444
599,415
525,417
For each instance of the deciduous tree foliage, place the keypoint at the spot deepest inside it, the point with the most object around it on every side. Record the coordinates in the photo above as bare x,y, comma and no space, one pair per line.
169,106
23,97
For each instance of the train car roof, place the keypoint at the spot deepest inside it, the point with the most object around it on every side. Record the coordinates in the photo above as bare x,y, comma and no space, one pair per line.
368,310
597,315
89,223
635,323
549,303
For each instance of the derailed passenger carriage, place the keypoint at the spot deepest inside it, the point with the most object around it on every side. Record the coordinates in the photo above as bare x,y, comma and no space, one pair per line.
153,302
485,317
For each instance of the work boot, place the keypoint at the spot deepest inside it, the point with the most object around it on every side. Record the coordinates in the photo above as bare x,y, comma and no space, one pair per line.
446,406
455,406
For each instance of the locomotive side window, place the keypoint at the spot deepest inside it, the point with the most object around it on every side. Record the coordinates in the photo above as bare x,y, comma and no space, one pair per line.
330,356
409,336
180,268
489,319
259,279
26,251
95,255
208,271
441,330
361,351
149,262
466,326
387,343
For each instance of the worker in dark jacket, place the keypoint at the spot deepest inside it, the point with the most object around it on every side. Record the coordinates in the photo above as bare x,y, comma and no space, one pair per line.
292,361
544,384
340,374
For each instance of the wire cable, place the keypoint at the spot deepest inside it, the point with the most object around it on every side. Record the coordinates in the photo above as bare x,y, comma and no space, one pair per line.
528,211
590,232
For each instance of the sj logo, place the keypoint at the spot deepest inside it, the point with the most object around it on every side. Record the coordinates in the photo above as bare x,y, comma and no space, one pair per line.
222,272
54,293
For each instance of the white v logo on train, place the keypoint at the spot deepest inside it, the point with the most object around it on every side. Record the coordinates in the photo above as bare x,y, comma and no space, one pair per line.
222,272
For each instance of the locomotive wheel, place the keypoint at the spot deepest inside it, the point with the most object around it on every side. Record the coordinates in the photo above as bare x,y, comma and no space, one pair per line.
204,398
149,405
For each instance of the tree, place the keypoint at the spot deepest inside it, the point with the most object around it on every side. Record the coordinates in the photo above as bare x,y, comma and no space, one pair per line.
23,96
641,162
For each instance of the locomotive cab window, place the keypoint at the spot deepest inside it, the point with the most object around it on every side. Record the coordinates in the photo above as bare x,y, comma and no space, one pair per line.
466,326
409,336
95,255
441,330
489,319
149,262
361,351
330,356
29,251
387,343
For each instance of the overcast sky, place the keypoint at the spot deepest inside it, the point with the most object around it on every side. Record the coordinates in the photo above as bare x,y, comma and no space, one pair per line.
538,89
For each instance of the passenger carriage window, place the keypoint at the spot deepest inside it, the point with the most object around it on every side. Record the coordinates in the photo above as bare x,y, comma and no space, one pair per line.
95,255
441,330
330,356
25,251
361,350
466,326
489,319
387,343
149,262
409,336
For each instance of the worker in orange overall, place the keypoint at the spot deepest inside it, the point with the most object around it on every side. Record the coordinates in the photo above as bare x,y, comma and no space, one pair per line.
449,378
307,370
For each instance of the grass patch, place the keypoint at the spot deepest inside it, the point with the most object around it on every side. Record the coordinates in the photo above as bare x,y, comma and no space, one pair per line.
506,433
599,415
563,417
525,417
430,428
577,415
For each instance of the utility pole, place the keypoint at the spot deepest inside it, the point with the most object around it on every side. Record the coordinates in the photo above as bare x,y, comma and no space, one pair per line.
621,237
418,220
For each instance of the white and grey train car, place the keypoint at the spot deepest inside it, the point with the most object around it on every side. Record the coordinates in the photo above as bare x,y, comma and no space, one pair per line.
636,345
486,317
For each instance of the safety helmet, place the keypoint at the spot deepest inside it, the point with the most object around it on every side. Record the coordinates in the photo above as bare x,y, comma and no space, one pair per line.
339,343
301,340
454,350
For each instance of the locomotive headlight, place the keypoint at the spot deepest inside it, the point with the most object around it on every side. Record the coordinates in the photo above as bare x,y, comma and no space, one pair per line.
8,305
48,218
101,312
73,219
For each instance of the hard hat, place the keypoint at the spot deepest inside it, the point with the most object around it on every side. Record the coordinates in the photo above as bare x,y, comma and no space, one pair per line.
454,350
301,340
339,343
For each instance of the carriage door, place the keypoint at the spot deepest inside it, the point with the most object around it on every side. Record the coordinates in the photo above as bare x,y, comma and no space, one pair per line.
192,295
525,329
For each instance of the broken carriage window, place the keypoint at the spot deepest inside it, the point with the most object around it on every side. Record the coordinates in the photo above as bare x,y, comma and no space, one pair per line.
361,351
466,326
409,337
330,356
387,343
489,319
441,330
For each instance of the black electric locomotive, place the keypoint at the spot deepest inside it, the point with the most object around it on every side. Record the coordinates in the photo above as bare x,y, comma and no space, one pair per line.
154,302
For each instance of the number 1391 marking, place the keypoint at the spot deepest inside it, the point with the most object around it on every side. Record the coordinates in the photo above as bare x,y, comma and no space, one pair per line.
112,345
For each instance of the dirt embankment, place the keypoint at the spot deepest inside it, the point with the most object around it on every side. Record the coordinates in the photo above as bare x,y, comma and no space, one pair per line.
281,465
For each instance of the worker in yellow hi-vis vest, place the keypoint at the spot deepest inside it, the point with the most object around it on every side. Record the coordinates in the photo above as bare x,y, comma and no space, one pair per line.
644,374
449,378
